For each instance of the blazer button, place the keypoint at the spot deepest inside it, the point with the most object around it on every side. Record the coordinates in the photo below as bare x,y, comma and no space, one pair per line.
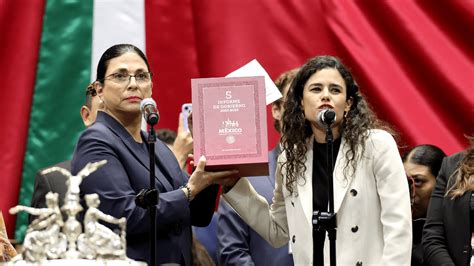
292,203
353,192
293,239
355,229
359,263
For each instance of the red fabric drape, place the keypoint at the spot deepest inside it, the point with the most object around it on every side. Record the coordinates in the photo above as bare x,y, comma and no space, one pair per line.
20,31
412,59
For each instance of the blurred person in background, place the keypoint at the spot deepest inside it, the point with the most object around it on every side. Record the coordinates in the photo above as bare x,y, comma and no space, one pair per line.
448,232
422,164
55,181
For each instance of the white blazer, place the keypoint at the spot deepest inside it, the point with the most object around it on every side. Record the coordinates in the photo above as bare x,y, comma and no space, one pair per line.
372,206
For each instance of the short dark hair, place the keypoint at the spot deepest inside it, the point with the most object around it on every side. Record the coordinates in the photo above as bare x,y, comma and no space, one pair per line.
116,51
90,93
285,78
166,135
281,82
427,155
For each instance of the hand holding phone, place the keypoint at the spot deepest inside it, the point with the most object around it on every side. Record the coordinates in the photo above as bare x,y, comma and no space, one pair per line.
186,110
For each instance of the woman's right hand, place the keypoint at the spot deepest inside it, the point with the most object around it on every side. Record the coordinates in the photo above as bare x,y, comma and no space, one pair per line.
200,179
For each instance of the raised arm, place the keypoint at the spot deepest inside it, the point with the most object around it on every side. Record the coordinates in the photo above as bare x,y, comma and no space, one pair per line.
30,210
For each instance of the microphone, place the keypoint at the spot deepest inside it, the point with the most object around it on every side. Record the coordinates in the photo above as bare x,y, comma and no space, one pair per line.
149,111
326,117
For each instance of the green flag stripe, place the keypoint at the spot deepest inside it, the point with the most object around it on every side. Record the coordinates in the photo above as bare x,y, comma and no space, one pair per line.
63,73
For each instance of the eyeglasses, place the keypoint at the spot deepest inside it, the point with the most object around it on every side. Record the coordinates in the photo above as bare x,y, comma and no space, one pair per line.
141,78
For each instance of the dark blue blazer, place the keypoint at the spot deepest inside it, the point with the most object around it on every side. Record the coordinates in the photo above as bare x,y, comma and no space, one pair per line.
238,244
125,174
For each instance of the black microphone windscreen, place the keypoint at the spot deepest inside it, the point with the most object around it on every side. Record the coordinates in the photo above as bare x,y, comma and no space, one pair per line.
326,117
329,116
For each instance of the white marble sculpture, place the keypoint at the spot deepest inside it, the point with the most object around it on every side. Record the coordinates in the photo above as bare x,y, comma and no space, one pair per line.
98,241
44,239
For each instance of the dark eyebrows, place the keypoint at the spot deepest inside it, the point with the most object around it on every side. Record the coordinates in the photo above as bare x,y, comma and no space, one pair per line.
332,85
124,70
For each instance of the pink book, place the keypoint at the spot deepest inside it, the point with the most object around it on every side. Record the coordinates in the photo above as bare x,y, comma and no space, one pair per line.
229,124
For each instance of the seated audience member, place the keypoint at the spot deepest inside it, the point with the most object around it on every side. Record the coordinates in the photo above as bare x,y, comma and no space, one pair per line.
238,244
422,164
448,231
55,181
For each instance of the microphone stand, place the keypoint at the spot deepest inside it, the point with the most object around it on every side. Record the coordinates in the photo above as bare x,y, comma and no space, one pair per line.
148,198
327,220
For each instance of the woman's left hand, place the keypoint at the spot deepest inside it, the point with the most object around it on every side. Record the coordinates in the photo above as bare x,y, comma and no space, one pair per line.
200,179
183,144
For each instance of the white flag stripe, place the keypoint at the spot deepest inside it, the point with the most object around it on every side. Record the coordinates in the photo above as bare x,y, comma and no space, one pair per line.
116,21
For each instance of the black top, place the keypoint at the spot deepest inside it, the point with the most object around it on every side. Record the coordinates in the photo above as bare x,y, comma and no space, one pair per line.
472,212
472,225
320,193
417,258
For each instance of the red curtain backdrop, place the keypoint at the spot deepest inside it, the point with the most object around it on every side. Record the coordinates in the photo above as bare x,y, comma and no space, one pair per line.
412,59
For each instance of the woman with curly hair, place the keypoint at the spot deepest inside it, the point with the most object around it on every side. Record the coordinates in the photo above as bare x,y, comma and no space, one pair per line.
448,234
371,197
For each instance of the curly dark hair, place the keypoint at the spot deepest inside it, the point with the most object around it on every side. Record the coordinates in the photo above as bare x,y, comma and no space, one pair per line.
297,130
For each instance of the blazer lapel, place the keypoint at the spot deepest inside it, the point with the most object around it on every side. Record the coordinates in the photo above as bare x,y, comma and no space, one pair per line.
341,183
140,155
305,190
160,156
272,164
